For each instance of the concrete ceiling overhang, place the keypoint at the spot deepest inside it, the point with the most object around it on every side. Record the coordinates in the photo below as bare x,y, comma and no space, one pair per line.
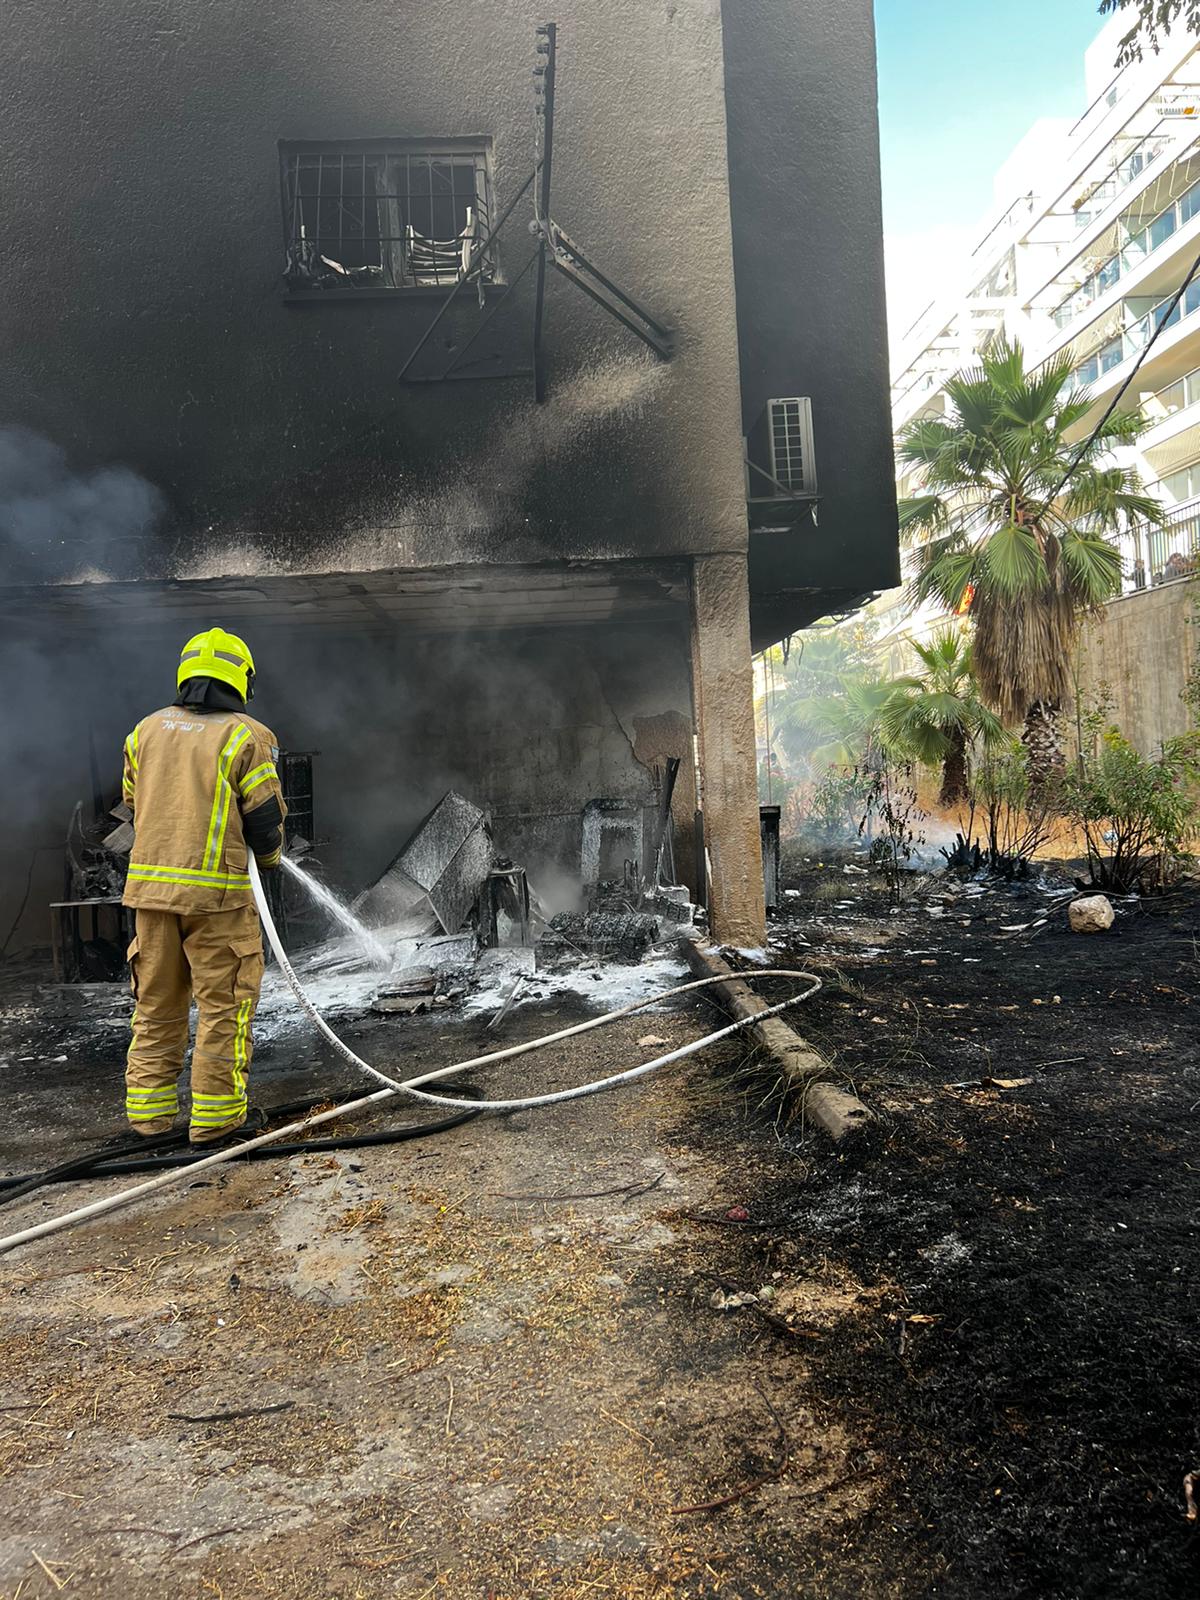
775,616
443,600
1178,450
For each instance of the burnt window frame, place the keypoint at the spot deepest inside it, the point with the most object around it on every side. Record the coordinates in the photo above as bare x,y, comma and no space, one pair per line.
394,247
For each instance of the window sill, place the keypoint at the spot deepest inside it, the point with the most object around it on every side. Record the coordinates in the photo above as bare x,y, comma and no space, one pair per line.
341,297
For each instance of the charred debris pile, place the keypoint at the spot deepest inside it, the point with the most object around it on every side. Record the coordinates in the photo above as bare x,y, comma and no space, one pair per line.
454,916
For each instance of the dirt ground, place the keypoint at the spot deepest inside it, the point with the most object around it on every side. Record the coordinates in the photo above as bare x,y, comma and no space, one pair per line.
501,1368
509,1362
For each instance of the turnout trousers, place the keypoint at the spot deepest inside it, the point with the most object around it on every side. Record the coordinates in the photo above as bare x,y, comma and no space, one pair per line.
216,957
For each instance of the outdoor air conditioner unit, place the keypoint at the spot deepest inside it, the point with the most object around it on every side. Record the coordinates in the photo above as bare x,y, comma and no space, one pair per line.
781,444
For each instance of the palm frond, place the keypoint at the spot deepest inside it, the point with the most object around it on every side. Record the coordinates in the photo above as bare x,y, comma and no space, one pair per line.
990,731
1012,559
926,513
1105,499
1031,401
1093,566
944,574
1003,367
1123,427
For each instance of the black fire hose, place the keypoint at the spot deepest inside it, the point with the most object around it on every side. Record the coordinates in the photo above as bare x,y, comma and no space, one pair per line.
172,1150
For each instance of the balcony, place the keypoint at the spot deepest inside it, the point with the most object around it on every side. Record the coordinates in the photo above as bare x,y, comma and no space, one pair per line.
921,395
1130,258
1127,344
1172,436
1153,556
1114,173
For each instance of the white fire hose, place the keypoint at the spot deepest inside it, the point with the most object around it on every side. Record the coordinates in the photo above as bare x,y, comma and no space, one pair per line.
410,1088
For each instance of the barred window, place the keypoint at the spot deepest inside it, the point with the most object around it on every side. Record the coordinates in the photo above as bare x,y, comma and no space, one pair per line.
385,215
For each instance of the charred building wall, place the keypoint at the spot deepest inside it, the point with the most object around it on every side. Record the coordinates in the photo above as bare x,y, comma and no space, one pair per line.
529,724
148,173
187,434
807,238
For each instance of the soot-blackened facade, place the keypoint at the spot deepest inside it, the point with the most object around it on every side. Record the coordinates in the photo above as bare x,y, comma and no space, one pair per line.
228,228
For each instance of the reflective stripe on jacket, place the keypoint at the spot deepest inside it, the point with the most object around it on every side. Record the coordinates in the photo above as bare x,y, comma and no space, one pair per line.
191,777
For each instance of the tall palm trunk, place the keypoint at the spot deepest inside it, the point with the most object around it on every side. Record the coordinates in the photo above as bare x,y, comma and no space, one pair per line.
1042,739
954,769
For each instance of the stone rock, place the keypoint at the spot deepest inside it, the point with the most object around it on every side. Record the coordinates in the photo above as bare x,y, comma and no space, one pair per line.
1092,914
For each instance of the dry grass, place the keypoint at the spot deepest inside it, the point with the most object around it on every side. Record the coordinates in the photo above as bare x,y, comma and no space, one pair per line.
484,1351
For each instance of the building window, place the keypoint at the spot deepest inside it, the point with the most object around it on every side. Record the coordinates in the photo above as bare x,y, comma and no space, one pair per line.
1183,484
1183,392
1137,247
390,214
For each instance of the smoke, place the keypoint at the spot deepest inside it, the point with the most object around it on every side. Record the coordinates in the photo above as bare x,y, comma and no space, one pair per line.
491,485
46,509
495,482
59,683
64,690
529,726
525,725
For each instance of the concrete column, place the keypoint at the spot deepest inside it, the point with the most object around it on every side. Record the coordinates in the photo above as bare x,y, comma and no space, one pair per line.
723,695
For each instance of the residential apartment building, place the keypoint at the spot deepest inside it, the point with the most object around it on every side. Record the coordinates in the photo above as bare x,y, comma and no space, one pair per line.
1095,227
304,335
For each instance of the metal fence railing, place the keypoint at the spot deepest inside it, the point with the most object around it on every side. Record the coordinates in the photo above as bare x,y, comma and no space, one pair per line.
1152,556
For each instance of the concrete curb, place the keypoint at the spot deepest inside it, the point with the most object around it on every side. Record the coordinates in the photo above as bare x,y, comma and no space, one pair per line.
839,1114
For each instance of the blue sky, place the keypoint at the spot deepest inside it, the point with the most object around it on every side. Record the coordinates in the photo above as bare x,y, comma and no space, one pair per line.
960,81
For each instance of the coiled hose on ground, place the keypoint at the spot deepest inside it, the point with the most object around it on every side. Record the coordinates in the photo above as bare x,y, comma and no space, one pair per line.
412,1087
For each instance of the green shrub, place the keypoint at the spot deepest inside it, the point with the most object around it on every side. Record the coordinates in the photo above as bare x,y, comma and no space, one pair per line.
876,804
1137,813
839,806
1016,815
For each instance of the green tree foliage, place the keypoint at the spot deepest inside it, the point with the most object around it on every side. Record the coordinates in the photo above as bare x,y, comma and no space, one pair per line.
812,671
934,717
839,729
1014,817
997,525
1137,813
937,716
1151,20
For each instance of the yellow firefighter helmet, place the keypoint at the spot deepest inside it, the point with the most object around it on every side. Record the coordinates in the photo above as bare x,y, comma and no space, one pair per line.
220,655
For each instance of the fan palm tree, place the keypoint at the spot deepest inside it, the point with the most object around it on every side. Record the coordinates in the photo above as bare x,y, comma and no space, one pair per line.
1015,522
938,717
840,729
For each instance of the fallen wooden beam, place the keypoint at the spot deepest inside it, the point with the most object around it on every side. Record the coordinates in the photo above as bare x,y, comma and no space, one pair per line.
838,1113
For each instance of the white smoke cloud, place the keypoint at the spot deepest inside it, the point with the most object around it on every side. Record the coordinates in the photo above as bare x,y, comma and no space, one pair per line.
47,510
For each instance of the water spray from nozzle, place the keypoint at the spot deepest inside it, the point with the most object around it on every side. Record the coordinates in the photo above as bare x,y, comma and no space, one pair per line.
375,951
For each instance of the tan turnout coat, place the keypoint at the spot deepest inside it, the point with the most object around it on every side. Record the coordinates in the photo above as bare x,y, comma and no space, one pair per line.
190,778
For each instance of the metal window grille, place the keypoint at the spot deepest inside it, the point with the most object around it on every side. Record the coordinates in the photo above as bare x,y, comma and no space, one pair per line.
793,462
388,218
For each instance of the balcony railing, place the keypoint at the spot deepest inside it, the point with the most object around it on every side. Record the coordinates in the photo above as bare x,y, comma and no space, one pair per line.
1153,556
1149,238
1120,172
1134,338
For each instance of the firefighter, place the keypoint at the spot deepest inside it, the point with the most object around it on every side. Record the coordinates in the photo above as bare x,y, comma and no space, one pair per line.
201,779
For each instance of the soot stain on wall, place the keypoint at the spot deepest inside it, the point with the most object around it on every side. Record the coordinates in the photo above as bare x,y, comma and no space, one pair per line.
530,726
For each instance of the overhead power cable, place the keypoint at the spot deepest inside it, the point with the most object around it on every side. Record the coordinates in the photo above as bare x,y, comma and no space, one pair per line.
1123,390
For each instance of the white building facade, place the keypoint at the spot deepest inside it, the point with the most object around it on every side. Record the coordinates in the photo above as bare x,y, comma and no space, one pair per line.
1096,225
